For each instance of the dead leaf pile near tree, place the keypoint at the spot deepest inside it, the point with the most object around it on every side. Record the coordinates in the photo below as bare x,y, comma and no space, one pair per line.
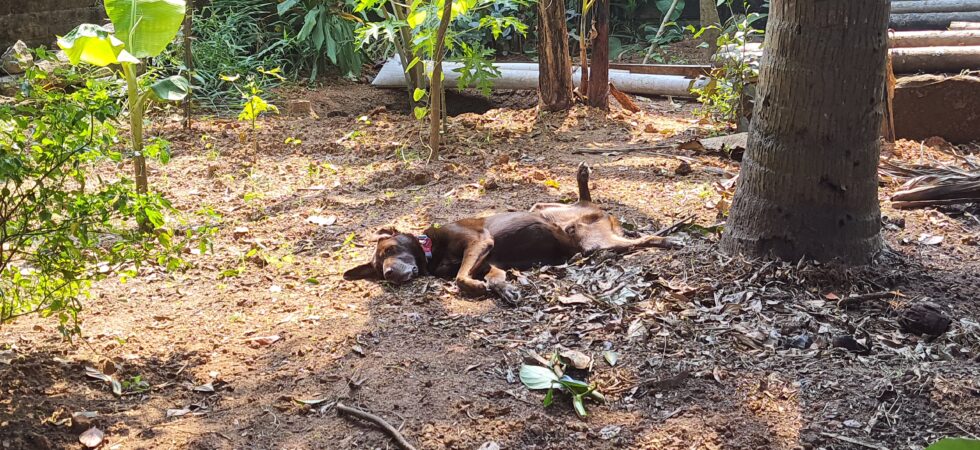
950,178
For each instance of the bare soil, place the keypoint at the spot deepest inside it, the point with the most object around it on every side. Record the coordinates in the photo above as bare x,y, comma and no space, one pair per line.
253,346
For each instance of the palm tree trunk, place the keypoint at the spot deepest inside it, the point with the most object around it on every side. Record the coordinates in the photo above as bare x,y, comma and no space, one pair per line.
555,71
599,71
808,184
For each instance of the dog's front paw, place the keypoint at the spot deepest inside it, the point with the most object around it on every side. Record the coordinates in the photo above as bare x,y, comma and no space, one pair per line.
472,288
507,292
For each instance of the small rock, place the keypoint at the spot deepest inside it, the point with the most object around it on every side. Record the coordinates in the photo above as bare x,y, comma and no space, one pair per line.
490,445
17,59
299,108
240,232
849,343
851,423
803,342
924,318
683,169
609,431
9,85
92,437
649,128
39,442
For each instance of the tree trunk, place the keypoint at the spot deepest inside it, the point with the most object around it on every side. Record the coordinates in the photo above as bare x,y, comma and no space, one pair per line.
709,17
555,63
599,70
435,83
188,60
808,184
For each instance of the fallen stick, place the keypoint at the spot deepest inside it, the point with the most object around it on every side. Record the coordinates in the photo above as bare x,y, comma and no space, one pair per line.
854,441
624,100
600,151
394,433
675,226
855,299
927,203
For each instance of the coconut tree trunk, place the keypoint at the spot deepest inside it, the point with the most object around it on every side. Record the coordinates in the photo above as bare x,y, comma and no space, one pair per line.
599,68
555,71
808,184
709,17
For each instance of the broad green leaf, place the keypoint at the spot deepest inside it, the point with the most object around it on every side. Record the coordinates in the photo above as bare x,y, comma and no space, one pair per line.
146,27
549,398
664,5
412,63
420,112
537,377
418,94
579,406
255,107
94,45
170,89
308,22
955,444
417,17
154,217
283,7
575,386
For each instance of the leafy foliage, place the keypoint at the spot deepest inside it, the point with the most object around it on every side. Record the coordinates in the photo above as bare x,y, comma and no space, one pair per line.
538,378
325,29
232,36
723,100
63,227
955,444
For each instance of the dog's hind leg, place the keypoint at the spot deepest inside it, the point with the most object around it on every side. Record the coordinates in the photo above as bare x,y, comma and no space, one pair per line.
584,195
497,280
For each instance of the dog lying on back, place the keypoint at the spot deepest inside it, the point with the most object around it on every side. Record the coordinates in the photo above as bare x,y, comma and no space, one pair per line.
476,252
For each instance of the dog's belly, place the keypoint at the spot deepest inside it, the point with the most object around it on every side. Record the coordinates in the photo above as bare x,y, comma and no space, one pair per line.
524,240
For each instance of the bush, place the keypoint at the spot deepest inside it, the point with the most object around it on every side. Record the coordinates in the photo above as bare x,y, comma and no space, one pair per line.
61,225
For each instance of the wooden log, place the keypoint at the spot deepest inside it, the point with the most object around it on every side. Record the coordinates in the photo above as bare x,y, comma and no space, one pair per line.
598,88
931,21
931,6
955,38
935,59
964,26
948,59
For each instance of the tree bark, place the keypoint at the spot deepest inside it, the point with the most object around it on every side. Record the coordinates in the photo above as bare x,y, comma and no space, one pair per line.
555,63
436,96
709,17
808,184
599,70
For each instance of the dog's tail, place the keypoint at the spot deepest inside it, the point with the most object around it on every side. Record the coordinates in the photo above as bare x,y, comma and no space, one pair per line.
583,183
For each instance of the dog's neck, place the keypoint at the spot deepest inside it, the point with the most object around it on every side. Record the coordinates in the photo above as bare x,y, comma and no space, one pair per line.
426,244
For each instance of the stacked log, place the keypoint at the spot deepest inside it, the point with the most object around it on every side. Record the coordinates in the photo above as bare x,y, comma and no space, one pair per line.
932,14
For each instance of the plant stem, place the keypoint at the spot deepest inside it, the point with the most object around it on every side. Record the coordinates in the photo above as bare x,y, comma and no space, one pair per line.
660,32
435,83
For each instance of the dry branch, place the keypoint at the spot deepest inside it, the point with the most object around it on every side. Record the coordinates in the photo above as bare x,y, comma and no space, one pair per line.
624,100
364,415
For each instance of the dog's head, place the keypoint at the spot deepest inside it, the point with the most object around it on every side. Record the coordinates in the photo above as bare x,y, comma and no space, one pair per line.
398,257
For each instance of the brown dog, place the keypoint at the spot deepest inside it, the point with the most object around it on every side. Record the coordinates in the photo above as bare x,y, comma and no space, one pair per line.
477,251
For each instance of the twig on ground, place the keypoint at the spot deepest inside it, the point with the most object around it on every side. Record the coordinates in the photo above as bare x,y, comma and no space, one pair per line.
394,433
854,441
854,300
675,226
652,149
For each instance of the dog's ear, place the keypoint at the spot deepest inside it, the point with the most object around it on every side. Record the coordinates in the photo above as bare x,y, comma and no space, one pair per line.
364,271
385,233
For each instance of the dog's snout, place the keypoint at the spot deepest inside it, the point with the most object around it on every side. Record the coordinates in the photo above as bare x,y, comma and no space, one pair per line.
400,272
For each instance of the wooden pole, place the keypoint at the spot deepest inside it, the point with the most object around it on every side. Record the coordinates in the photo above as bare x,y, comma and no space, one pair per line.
935,59
964,26
599,72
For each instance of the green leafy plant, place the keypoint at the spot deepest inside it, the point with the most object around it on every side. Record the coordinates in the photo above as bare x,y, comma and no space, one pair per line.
538,377
143,28
232,36
61,227
325,29
955,444
724,100
253,105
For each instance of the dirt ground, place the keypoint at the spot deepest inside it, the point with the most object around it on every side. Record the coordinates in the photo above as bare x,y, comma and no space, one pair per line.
253,346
